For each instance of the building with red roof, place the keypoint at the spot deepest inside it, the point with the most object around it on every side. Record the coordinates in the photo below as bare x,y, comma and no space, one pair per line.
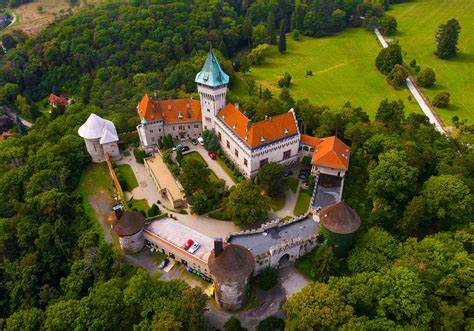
249,145
57,101
5,135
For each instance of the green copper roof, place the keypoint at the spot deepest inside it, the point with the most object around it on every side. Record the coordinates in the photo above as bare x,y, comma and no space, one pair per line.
211,73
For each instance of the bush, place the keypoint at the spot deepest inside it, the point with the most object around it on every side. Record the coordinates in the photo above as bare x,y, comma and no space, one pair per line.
153,211
388,25
388,58
426,78
309,72
285,81
267,279
271,323
233,324
139,155
296,35
397,77
441,100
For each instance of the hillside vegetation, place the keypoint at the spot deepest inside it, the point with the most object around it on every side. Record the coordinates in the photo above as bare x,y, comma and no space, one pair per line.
417,24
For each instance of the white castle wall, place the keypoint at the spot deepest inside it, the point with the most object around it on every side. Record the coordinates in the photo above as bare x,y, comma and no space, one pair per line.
231,295
212,100
95,150
112,149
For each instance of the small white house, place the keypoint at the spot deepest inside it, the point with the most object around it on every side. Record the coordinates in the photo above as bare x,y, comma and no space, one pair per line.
100,137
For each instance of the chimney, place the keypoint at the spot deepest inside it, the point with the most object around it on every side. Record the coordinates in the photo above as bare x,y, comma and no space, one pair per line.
218,247
118,209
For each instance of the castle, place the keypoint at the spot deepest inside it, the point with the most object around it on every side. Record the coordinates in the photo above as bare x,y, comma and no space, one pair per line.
249,145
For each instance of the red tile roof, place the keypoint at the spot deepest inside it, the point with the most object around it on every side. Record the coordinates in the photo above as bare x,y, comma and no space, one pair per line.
171,111
310,140
258,133
55,100
5,135
332,152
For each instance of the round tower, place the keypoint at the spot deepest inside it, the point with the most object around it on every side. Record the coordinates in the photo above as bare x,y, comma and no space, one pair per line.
212,84
339,223
231,266
128,225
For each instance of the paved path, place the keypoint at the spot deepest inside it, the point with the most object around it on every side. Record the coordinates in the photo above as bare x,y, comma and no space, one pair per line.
212,164
146,187
432,116
290,202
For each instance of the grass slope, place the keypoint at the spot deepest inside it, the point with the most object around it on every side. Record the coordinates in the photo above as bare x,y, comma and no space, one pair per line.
417,25
128,176
302,204
343,68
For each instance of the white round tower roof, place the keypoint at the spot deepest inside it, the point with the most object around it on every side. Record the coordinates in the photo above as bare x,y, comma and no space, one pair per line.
97,128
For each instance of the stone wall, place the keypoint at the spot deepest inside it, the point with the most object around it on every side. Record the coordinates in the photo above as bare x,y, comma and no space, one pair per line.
231,295
132,244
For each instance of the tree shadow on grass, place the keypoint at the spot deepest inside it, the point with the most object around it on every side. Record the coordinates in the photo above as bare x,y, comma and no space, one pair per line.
463,58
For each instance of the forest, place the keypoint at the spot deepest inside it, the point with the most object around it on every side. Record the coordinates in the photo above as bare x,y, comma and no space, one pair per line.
411,185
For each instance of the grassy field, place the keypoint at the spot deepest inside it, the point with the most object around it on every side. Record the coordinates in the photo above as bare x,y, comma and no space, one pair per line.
343,69
417,24
140,205
128,176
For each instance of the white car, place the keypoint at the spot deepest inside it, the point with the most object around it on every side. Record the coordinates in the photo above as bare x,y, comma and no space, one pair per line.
200,141
194,248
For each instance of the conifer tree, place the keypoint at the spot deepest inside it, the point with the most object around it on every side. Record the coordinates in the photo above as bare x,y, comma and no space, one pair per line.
282,39
447,39
271,28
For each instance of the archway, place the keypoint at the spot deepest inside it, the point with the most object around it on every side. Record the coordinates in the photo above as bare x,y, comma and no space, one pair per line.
283,261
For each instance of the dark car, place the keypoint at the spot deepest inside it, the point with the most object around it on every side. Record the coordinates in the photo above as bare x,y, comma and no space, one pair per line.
304,174
287,173
183,149
164,263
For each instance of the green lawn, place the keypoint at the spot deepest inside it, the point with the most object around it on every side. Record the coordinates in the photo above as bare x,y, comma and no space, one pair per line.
417,24
198,157
228,170
302,204
343,69
140,205
276,203
128,176
292,183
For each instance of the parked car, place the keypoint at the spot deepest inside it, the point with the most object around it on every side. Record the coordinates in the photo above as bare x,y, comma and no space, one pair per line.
183,149
200,141
304,174
212,155
194,248
188,244
177,147
164,263
287,173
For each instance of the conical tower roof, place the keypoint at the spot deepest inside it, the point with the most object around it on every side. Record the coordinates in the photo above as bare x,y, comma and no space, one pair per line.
339,218
95,127
211,73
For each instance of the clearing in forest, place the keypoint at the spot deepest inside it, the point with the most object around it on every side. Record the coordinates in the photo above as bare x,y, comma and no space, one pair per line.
417,25
343,67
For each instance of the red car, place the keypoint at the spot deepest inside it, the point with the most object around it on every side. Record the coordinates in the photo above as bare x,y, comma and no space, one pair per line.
188,244
212,155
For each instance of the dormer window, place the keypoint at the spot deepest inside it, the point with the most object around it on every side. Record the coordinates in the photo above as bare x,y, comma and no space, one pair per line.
234,126
285,132
262,139
246,138
180,115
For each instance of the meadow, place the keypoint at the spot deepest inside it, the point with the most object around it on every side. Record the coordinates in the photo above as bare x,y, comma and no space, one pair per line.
417,24
343,68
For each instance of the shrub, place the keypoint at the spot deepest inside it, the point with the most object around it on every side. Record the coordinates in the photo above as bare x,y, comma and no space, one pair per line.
153,211
271,323
388,25
309,72
285,81
139,155
267,279
233,324
441,100
388,58
397,77
426,78
258,54
296,35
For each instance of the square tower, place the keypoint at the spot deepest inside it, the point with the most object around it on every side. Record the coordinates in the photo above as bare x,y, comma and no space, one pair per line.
212,84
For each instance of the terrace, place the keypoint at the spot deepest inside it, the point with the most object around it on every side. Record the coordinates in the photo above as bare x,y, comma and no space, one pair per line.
327,191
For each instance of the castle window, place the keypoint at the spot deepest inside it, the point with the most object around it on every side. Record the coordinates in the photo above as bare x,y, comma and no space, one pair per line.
245,162
219,135
286,154
263,162
151,131
236,152
196,126
228,144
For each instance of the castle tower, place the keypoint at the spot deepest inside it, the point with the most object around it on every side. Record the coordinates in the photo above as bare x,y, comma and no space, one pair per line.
212,87
128,225
231,266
